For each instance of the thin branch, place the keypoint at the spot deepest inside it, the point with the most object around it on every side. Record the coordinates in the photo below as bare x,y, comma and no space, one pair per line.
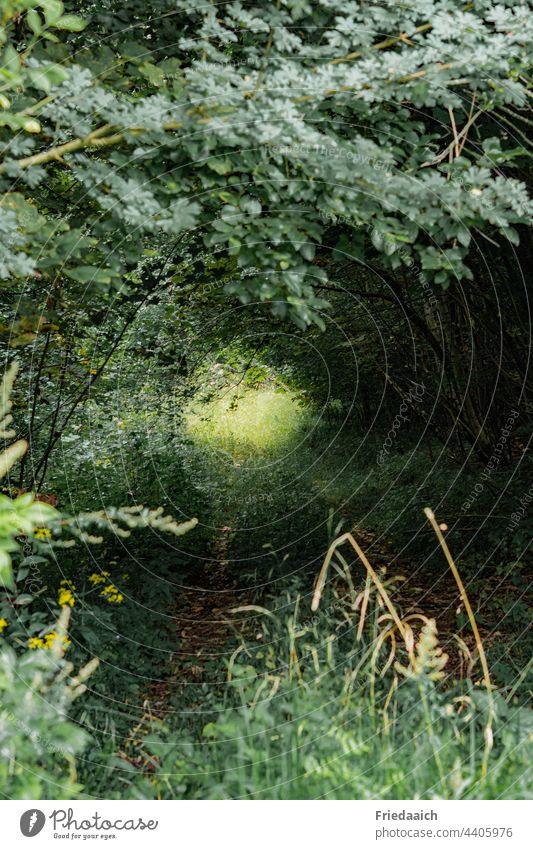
34,406
471,112
381,45
454,130
43,464
382,296
515,129
460,135
95,139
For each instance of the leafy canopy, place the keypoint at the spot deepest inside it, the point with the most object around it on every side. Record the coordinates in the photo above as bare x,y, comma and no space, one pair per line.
253,126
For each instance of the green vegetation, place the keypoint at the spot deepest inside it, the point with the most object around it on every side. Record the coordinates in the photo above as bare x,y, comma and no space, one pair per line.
263,274
243,424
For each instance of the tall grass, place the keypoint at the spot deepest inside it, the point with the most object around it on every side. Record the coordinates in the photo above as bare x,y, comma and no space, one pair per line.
316,706
244,422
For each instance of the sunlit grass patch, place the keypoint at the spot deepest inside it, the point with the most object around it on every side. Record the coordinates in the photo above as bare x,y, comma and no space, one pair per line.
248,422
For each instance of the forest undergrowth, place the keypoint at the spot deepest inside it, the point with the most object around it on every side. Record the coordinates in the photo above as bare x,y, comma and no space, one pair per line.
244,670
257,695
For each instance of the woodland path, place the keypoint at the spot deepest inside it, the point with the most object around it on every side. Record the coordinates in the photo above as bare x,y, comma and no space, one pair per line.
203,624
206,630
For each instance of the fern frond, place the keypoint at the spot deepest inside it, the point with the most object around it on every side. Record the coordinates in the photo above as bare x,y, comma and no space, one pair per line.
428,660
6,388
121,521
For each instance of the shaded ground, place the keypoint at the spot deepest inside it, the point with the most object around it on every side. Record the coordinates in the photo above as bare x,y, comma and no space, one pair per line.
435,595
205,630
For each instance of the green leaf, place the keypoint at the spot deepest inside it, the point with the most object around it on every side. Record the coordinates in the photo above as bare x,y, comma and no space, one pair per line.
53,9
6,573
511,234
307,250
464,236
89,274
32,125
34,21
40,79
221,166
10,60
153,74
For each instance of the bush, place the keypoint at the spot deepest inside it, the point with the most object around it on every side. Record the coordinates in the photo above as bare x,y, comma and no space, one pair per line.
37,739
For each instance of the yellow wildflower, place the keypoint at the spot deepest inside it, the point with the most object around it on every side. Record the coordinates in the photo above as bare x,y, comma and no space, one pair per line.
65,598
3,624
35,643
42,533
112,594
97,578
66,594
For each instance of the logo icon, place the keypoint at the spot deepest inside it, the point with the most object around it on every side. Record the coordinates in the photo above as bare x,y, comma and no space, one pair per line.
32,822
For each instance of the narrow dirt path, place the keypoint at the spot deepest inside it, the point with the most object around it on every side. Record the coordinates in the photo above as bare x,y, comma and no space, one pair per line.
203,625
204,629
206,632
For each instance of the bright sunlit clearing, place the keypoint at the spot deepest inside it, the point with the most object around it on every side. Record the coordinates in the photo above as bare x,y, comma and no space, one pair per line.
252,422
